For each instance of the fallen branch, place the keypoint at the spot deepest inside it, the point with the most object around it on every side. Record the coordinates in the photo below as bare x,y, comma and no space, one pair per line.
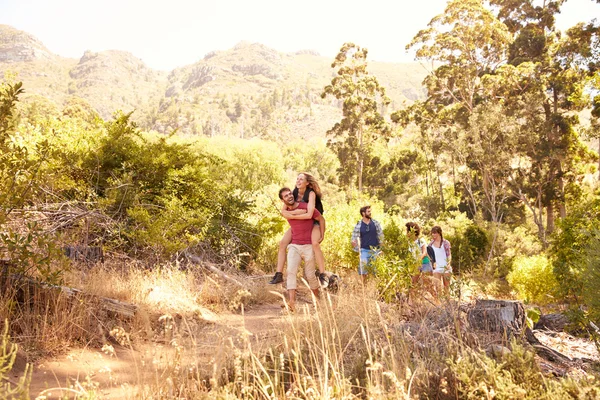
212,268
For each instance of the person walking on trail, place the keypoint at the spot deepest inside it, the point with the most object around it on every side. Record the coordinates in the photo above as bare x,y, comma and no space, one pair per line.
367,238
307,190
419,250
442,269
300,247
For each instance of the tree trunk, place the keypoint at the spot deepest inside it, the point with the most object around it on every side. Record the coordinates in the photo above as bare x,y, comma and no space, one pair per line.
550,218
562,208
361,159
437,171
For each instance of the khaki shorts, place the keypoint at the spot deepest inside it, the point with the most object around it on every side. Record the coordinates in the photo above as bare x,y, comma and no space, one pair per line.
297,253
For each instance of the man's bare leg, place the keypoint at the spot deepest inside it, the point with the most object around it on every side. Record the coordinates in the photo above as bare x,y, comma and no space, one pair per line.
281,257
292,301
281,254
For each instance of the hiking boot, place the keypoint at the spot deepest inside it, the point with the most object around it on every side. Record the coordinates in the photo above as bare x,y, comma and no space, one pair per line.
278,278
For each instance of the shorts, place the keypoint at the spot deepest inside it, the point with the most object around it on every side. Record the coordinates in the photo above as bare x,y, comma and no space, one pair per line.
446,269
367,256
426,267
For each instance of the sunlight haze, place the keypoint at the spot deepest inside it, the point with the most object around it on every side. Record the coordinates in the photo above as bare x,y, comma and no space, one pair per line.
166,35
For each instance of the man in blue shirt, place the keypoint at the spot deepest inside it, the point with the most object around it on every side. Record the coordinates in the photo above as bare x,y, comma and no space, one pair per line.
367,238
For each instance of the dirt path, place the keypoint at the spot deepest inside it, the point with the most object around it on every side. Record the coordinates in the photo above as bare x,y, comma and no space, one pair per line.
115,374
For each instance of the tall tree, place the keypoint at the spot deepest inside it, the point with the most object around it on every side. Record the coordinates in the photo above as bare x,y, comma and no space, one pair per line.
519,61
465,42
549,93
362,123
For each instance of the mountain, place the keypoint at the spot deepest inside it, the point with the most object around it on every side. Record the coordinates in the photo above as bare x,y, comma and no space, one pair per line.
247,91
112,80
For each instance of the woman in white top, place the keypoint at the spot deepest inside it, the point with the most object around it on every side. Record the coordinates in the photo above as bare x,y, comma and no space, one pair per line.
443,257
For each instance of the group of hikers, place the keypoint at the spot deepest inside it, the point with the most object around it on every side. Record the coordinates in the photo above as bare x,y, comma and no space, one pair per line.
303,209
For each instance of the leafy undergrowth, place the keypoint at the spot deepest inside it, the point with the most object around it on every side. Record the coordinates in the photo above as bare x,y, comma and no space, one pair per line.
348,345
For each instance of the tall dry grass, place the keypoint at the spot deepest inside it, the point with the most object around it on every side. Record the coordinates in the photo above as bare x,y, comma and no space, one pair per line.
344,346
351,346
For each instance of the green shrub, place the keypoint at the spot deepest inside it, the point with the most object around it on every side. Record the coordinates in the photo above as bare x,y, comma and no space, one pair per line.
512,242
591,294
514,375
533,279
8,354
575,254
570,245
397,264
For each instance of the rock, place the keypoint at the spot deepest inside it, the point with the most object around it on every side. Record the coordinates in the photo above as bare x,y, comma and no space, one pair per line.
497,351
19,46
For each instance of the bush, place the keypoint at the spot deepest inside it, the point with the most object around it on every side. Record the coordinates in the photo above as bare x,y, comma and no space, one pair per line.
511,243
397,264
591,294
533,279
514,375
8,354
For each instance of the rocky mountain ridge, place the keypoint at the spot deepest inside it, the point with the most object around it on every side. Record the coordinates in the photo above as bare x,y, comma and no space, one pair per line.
249,90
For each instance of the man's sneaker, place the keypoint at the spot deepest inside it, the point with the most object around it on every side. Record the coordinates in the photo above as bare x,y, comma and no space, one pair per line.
278,278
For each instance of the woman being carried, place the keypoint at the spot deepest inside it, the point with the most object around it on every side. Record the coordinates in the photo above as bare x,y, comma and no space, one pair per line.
307,190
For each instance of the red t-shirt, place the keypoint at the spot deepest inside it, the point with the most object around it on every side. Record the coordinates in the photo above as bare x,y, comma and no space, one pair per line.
302,228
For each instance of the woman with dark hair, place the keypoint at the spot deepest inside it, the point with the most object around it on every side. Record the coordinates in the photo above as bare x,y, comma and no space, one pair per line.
307,190
443,257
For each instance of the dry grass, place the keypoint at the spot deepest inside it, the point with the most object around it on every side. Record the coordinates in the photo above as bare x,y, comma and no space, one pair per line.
346,346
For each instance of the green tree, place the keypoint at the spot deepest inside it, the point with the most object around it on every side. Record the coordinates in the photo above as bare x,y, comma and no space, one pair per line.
519,62
467,42
545,90
362,123
574,254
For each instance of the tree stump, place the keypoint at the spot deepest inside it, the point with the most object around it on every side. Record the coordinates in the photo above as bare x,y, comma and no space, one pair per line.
503,316
508,318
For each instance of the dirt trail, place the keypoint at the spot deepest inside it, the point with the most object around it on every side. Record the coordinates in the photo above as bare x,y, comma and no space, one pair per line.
116,374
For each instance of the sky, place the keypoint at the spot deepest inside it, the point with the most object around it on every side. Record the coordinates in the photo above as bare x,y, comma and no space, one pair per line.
173,33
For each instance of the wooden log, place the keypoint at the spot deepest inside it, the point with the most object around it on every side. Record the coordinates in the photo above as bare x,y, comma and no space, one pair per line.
84,253
552,322
545,351
112,305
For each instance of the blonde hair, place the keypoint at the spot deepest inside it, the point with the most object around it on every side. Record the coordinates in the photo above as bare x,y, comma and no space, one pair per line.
313,184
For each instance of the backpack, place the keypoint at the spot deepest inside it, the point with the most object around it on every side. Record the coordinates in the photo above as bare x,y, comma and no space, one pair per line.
431,254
